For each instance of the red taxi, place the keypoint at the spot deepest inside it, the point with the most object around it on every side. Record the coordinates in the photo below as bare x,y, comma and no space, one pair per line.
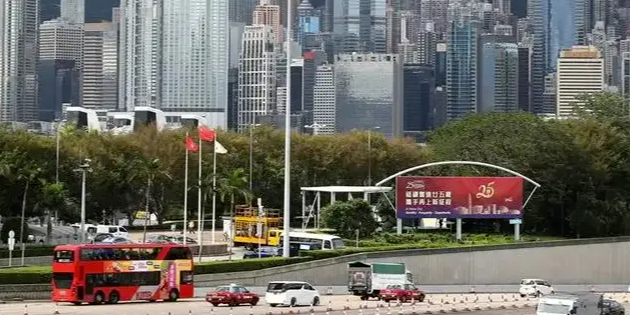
403,294
232,295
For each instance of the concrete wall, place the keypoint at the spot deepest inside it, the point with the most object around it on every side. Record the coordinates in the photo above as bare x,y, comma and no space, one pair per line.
589,261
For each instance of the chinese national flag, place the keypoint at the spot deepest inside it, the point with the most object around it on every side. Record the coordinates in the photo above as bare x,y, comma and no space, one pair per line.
191,145
206,134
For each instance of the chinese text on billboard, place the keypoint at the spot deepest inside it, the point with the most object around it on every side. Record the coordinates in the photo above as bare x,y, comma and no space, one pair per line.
459,197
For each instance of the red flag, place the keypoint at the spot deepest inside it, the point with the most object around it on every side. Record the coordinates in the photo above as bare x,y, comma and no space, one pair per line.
206,134
191,145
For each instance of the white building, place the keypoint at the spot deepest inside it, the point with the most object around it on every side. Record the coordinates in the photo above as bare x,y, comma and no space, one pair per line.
174,56
18,60
257,75
100,66
580,71
324,100
61,40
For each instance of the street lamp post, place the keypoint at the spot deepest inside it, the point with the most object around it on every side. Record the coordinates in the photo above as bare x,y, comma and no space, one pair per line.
84,168
58,126
315,127
287,184
370,153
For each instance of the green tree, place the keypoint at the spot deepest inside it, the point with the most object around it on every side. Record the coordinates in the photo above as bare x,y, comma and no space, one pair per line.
350,217
234,184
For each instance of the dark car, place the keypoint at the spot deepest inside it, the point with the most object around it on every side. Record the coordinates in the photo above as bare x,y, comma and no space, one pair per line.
232,295
611,307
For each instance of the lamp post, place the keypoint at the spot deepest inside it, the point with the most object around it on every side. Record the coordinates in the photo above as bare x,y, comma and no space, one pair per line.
58,125
370,153
84,168
315,127
287,185
252,126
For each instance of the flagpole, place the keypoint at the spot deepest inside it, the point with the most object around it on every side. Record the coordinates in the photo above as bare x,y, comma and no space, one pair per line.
199,200
212,237
185,223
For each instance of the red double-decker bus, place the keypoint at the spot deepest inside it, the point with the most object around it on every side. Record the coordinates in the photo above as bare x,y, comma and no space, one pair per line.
100,274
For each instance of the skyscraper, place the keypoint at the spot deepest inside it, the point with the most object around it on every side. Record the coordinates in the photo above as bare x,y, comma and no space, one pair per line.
269,14
360,26
580,71
175,57
462,60
257,75
553,26
499,77
73,11
369,93
324,100
19,21
240,11
100,66
59,68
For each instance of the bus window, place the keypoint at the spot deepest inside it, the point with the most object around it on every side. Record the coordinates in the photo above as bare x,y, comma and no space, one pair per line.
327,244
63,256
178,253
338,243
62,280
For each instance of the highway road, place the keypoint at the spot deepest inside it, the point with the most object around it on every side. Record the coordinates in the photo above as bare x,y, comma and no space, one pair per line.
435,304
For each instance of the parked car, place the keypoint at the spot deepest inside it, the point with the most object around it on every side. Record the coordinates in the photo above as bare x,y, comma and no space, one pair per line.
535,287
101,237
611,307
266,251
232,295
292,293
408,292
116,240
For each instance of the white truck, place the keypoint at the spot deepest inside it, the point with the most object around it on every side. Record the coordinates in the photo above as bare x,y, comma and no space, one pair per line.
570,304
366,280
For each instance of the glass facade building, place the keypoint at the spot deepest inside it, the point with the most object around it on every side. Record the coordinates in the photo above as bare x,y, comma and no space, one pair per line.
360,26
418,96
365,103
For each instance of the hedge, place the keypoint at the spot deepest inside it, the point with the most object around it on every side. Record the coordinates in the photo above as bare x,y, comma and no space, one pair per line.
26,275
29,251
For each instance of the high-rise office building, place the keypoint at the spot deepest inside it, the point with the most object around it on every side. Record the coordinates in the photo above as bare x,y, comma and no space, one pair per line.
324,100
308,21
73,11
100,66
240,11
19,20
435,12
269,14
257,75
95,11
60,65
175,57
360,26
553,27
498,77
462,60
365,103
523,80
418,98
426,47
580,71
625,74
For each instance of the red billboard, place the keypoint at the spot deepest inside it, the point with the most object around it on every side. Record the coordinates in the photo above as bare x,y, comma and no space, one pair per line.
459,197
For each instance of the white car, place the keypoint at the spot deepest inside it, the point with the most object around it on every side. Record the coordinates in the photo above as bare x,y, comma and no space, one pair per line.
535,287
291,293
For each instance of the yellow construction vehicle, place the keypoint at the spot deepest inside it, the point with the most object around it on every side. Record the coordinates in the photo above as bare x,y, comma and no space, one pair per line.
256,227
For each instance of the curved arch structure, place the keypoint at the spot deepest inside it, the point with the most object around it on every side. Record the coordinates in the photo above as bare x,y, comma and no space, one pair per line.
418,167
83,117
144,115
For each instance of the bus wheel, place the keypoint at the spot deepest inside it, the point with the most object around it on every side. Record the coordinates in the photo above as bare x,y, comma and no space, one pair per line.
114,297
99,298
173,295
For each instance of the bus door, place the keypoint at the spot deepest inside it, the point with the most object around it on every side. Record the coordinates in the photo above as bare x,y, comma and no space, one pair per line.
81,280
89,284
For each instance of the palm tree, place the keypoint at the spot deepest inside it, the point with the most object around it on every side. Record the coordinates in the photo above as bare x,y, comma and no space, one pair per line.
232,185
149,169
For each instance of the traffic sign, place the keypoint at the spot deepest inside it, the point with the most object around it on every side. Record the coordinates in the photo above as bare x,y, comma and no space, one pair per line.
11,234
515,221
11,243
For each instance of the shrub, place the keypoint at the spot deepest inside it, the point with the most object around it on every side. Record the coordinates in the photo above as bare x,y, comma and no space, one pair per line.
26,275
246,264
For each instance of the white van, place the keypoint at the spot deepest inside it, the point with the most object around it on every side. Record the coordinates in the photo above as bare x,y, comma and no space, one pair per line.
115,230
291,293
